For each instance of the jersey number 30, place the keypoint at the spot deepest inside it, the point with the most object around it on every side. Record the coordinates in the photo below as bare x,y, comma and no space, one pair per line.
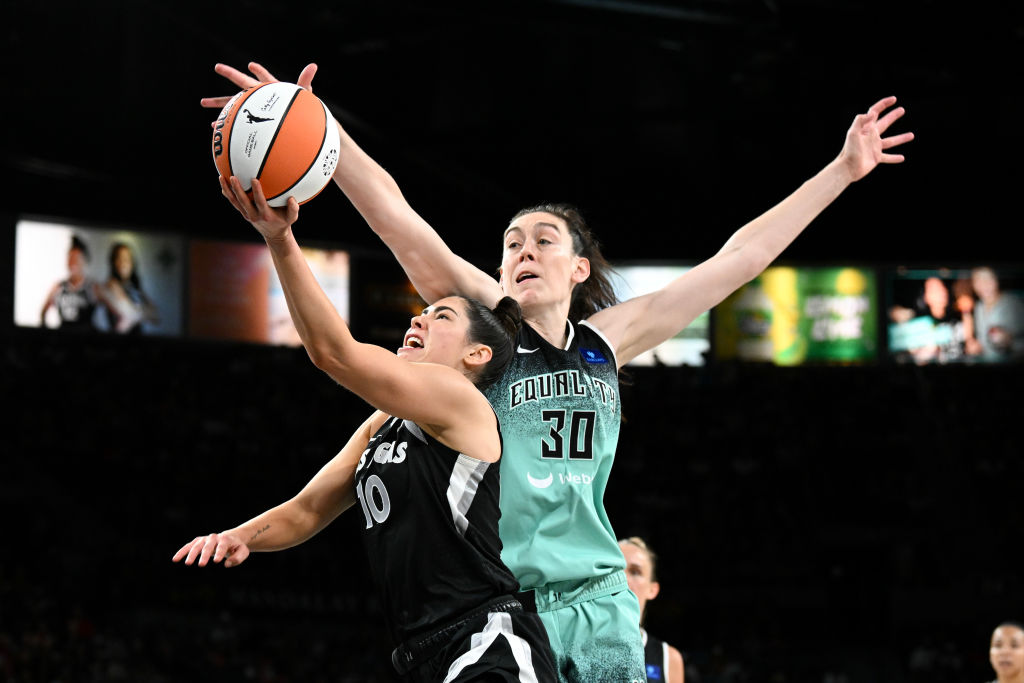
581,435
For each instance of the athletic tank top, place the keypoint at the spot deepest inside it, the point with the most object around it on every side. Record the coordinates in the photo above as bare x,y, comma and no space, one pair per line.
431,529
76,305
559,413
655,658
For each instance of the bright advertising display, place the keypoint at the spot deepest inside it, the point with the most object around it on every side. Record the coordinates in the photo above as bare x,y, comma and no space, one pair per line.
87,279
235,294
792,316
689,347
958,315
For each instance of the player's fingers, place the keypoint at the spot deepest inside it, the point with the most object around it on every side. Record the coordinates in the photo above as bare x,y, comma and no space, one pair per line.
208,547
891,159
259,200
237,557
260,72
894,140
228,191
245,204
306,77
881,105
215,102
240,79
292,214
182,551
890,118
196,546
222,549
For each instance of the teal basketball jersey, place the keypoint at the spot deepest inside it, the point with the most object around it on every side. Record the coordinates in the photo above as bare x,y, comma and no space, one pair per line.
559,412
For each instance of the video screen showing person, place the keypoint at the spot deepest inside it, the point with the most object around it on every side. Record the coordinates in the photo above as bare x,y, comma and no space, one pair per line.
77,278
970,314
792,316
235,294
689,347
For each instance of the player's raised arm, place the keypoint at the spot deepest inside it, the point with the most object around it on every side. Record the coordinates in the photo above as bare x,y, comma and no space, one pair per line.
433,268
329,493
430,385
642,323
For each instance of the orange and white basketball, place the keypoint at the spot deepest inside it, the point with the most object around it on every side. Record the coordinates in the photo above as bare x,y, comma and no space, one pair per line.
282,135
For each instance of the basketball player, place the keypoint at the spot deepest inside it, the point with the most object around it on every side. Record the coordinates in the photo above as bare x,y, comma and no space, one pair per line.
77,297
664,662
423,470
1006,652
558,399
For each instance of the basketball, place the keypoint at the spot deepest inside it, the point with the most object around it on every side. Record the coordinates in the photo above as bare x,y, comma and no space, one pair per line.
282,135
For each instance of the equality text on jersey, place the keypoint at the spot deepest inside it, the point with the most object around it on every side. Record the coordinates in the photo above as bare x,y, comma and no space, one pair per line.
558,385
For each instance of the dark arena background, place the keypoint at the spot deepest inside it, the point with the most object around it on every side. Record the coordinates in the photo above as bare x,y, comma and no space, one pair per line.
830,519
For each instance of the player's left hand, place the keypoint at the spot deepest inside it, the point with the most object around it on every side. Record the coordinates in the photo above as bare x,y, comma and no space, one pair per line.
865,147
259,75
273,223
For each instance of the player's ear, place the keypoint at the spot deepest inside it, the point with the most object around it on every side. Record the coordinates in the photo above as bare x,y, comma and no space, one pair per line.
582,270
653,588
478,356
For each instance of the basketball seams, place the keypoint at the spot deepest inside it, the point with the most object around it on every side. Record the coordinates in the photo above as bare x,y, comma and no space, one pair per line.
315,160
277,131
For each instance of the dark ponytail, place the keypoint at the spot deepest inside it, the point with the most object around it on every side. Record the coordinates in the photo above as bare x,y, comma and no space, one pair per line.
596,292
497,329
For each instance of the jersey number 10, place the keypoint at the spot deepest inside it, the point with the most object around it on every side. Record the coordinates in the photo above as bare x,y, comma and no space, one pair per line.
371,510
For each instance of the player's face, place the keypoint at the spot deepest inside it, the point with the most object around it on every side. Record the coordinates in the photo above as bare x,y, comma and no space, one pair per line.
1007,652
77,263
438,335
538,265
985,284
638,573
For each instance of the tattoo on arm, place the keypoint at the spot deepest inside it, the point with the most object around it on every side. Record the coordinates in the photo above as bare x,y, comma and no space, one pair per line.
258,532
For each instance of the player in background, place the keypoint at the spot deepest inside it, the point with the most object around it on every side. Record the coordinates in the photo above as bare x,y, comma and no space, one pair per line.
664,662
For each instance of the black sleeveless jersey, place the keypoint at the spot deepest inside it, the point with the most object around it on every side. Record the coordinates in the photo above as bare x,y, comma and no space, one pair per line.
431,532
76,305
655,658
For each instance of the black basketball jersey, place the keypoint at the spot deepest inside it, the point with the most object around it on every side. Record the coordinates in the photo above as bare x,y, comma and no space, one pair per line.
431,532
76,305
655,658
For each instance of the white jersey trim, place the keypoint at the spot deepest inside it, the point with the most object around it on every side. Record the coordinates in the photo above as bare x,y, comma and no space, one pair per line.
498,624
607,343
462,488
414,429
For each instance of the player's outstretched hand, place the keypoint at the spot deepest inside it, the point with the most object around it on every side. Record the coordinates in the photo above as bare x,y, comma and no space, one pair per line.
273,223
259,75
865,147
224,547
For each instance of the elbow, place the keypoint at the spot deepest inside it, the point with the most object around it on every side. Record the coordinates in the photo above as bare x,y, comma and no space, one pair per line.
751,261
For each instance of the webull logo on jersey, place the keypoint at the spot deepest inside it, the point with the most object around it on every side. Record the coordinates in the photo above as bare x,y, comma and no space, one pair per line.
557,385
565,479
388,451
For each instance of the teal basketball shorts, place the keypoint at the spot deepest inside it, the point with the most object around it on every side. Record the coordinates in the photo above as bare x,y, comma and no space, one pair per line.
594,629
